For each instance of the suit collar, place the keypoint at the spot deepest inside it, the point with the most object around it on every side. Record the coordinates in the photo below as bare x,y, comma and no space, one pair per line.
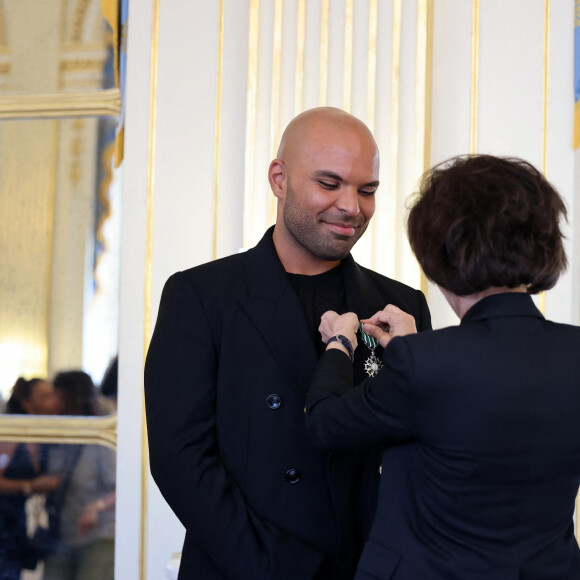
362,297
266,279
274,309
502,305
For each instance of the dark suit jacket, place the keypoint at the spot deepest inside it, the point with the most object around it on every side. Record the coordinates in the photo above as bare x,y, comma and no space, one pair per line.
226,377
487,417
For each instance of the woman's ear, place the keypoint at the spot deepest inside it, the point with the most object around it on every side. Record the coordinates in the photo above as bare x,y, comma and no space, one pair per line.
277,176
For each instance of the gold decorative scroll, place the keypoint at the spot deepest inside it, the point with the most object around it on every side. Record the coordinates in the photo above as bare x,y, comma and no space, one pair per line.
45,429
52,106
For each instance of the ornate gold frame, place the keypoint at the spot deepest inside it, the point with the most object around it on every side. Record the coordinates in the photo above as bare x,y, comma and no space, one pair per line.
50,429
50,106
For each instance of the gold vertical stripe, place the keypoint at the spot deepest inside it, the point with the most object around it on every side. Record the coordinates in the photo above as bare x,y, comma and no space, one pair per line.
474,73
50,221
545,112
546,86
275,96
218,126
423,95
372,63
323,65
251,113
347,62
372,95
577,518
299,71
276,74
148,277
394,128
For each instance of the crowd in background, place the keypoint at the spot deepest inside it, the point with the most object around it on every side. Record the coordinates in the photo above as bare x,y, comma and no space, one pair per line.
67,490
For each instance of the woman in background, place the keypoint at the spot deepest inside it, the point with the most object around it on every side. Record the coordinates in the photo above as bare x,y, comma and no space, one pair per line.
87,512
480,422
22,472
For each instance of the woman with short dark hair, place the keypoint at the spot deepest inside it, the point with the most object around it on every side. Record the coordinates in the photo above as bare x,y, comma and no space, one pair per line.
22,472
480,222
480,422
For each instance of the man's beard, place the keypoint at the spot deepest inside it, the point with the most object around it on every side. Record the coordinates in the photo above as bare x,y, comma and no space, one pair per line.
309,232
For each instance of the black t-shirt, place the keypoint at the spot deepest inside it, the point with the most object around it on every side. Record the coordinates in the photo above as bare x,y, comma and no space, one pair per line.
316,295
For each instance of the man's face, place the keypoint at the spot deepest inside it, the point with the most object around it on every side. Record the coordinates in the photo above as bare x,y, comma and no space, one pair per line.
330,194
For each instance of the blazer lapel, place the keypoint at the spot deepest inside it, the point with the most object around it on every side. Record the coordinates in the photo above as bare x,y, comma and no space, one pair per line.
362,296
272,306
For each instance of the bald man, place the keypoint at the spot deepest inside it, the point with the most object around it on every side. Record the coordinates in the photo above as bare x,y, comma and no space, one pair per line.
228,368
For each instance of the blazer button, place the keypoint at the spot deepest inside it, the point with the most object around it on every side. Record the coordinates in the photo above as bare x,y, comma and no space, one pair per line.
293,476
273,401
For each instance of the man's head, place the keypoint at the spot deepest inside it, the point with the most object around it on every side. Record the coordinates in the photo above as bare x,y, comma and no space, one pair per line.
325,177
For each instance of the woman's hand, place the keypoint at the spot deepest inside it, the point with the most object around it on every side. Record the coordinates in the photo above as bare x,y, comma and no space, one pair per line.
332,324
388,323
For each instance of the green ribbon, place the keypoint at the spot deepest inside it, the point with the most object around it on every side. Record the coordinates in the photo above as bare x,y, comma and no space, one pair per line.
370,341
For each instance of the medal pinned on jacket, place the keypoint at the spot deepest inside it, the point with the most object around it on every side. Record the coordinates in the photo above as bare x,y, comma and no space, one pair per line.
373,364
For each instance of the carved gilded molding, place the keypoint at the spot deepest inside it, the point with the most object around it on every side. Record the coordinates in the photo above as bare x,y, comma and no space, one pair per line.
50,106
41,429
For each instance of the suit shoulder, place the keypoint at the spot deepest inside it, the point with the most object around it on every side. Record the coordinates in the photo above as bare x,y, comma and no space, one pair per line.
229,266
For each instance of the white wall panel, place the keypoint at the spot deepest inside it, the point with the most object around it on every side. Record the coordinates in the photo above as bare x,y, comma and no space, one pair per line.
272,60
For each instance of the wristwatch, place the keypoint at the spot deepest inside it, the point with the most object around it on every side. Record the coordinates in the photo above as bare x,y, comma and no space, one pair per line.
345,342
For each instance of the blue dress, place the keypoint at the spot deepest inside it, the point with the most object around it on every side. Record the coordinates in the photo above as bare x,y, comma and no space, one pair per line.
14,554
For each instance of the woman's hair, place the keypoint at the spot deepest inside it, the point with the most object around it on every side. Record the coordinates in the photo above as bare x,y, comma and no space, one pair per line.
481,221
77,392
21,391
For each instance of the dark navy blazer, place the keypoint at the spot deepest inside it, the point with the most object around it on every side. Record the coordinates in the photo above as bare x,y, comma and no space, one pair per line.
486,416
226,377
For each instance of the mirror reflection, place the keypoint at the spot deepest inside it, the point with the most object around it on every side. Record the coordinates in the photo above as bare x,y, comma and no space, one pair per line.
59,193
53,46
57,501
57,511
59,248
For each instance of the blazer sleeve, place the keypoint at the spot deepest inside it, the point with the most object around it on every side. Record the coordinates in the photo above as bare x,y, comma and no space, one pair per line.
423,320
180,398
378,411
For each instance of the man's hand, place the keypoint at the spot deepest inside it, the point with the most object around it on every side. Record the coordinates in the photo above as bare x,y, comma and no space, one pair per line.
332,324
388,323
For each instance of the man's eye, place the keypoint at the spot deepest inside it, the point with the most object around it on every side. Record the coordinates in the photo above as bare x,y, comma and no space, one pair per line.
367,192
328,185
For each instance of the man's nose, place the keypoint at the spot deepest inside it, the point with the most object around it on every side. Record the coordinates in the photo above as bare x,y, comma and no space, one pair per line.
348,201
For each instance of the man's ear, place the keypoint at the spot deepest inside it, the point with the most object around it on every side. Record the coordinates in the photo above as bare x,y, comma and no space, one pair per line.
277,177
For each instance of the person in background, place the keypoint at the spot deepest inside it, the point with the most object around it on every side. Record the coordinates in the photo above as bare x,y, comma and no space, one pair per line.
480,422
225,389
22,472
87,516
108,387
